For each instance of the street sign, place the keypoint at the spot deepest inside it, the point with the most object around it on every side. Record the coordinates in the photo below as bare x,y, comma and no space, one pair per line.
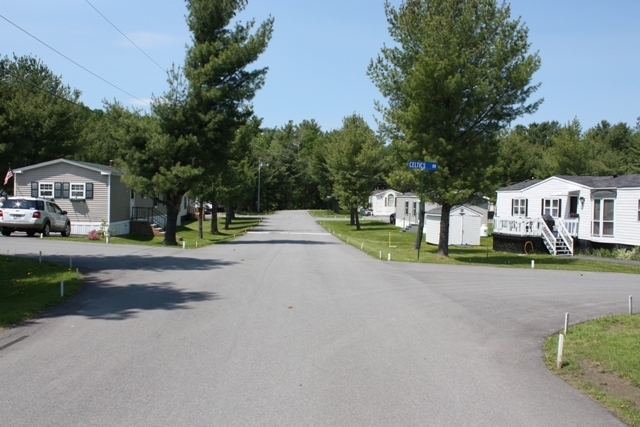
423,166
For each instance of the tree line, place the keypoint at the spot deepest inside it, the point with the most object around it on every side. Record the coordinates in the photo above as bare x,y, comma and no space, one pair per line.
457,76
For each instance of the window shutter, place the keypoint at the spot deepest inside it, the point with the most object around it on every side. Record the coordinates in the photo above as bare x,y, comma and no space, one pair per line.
542,207
526,208
88,190
34,189
559,208
65,190
57,190
513,205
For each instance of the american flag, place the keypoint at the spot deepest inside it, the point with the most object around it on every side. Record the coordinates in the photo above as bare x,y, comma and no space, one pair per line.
8,176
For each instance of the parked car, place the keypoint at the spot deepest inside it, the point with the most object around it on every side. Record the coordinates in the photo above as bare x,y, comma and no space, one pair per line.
392,218
33,215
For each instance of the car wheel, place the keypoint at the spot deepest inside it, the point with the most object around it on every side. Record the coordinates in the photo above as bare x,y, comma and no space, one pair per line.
46,229
31,233
6,232
66,231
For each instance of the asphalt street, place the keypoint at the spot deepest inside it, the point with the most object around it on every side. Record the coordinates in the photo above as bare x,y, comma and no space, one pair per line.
288,326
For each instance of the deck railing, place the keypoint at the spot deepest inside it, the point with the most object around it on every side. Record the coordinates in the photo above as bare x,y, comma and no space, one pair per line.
531,226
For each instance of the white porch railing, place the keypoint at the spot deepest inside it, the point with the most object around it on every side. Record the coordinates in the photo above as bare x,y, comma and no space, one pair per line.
531,226
560,239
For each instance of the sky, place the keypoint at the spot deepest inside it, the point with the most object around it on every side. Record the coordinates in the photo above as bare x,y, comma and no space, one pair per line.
319,53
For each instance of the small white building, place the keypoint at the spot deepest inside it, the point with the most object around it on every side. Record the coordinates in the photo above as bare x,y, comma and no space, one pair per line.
465,225
383,202
564,213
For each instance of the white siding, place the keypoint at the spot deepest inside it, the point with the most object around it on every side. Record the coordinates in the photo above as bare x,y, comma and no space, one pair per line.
463,229
626,226
377,202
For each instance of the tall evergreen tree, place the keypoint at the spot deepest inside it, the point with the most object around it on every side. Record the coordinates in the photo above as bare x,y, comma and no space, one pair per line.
458,74
356,164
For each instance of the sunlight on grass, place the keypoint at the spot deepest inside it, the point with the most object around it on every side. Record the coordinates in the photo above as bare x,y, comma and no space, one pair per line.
600,357
28,287
187,233
379,239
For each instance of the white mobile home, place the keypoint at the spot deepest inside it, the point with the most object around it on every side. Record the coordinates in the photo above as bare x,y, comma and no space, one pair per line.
383,202
563,213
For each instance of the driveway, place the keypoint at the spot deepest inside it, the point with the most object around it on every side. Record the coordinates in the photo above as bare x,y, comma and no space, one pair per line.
288,326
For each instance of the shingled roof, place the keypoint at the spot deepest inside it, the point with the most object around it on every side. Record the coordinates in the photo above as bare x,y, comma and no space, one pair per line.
610,181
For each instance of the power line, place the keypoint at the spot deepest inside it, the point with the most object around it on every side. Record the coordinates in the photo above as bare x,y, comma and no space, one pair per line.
55,95
74,62
123,35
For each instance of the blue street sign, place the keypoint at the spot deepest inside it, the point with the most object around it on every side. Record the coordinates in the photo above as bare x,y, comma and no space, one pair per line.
423,166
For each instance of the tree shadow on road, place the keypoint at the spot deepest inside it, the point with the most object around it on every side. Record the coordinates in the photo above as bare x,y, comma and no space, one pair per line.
107,302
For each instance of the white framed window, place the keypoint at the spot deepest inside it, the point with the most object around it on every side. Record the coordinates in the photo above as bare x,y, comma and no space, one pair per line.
78,191
415,208
406,207
603,215
45,190
552,207
391,200
519,207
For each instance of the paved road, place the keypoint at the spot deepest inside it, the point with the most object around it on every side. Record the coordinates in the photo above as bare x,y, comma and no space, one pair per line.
290,327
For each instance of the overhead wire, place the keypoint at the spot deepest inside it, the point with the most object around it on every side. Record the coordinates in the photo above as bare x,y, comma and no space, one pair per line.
74,62
125,36
55,95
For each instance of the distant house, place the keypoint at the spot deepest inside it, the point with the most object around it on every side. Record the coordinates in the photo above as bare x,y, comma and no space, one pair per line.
93,195
562,214
383,202
408,209
465,225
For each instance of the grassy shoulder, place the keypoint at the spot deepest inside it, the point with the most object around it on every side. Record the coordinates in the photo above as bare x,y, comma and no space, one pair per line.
328,214
600,358
379,239
29,287
187,233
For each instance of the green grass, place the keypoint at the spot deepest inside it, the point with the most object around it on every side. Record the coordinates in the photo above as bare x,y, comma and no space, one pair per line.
328,214
187,233
600,358
379,237
28,287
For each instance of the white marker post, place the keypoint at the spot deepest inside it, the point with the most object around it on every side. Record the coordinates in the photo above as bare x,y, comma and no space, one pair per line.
560,348
184,245
566,323
380,255
361,246
388,257
630,305
533,264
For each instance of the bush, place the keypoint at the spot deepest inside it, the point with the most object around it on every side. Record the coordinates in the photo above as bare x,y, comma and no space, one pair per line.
93,235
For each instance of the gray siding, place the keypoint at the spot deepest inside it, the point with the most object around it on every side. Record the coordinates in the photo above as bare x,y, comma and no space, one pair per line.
94,210
120,200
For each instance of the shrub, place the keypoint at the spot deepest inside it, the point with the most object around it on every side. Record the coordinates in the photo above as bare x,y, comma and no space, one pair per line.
93,235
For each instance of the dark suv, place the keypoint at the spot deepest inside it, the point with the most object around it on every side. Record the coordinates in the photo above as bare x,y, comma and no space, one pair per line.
32,216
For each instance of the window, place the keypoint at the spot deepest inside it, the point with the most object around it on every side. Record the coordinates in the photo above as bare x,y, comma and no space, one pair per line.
45,189
415,208
519,207
638,210
603,213
390,200
78,191
552,207
406,207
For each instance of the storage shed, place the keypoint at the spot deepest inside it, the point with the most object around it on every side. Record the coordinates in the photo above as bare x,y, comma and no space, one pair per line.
464,225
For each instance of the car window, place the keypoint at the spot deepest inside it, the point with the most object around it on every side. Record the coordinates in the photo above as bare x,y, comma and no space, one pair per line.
19,204
56,209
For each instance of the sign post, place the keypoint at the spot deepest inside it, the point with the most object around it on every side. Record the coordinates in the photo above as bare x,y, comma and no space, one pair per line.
422,166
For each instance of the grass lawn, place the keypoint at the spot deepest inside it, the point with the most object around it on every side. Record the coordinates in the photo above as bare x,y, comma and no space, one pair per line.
601,358
328,214
187,233
28,287
380,239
